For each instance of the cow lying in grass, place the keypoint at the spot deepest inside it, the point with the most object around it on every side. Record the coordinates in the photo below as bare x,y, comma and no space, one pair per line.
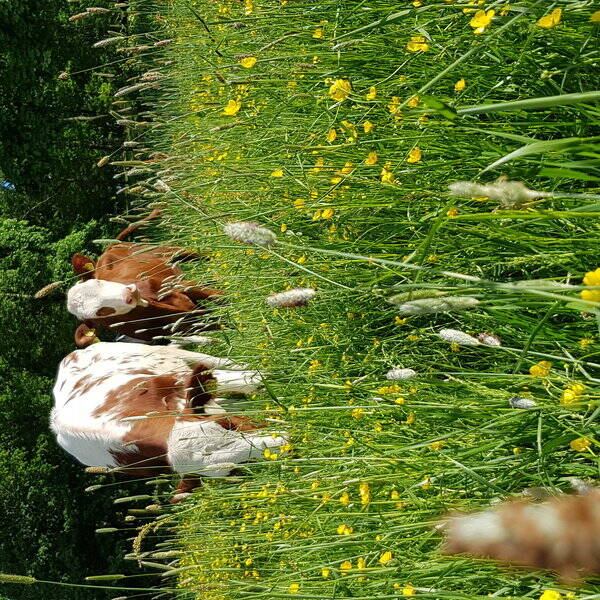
103,395
125,290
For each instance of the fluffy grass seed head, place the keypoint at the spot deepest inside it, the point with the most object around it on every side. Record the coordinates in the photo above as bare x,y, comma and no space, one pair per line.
295,297
510,194
398,374
455,336
249,232
435,305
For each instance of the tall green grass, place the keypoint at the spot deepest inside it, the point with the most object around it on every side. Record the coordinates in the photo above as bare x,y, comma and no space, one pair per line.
339,125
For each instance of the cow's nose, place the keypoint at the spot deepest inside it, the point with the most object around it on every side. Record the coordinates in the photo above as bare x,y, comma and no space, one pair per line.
132,296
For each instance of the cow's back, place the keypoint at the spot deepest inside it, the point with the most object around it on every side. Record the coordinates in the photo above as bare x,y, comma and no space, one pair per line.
98,386
125,263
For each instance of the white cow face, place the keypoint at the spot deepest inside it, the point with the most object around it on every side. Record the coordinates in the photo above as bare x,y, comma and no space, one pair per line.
96,298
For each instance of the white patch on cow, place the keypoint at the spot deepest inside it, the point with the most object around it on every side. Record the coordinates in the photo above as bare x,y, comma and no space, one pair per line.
206,448
85,299
90,439
482,528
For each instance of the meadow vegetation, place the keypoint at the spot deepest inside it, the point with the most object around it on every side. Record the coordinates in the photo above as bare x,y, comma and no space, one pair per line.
340,125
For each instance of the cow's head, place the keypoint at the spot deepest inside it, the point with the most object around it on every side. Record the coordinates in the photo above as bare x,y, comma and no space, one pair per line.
96,298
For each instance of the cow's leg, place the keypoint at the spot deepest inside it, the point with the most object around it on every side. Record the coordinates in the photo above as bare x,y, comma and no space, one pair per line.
207,448
186,485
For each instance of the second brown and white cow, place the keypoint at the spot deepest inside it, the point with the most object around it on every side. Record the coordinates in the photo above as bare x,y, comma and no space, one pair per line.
127,290
104,393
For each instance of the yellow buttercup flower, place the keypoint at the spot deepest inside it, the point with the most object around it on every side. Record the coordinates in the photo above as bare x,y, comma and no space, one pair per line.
372,94
572,394
345,499
371,159
460,85
592,278
277,173
550,595
344,530
414,101
232,108
345,566
248,61
327,213
541,369
551,20
340,89
364,492
408,590
595,17
325,573
437,445
580,444
415,155
385,558
331,135
294,588
481,20
318,34
368,126
386,174
417,44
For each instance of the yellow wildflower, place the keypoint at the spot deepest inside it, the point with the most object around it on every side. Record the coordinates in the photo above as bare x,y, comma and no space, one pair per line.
595,17
294,588
551,20
344,530
358,413
331,135
580,444
365,493
437,445
345,566
345,498
327,213
451,212
417,44
361,563
301,261
371,159
368,126
400,320
232,108
248,61
408,590
572,394
592,278
541,369
277,173
585,342
386,174
347,168
400,400
411,418
248,7
460,85
394,105
325,573
417,3
318,34
415,155
385,558
340,89
372,94
550,595
414,101
481,20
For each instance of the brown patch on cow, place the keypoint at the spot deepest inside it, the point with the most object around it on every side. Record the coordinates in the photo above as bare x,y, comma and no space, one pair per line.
105,311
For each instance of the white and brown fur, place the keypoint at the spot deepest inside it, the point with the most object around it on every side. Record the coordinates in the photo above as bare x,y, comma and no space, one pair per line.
100,386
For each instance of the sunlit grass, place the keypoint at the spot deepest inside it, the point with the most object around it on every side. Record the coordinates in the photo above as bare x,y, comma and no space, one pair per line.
339,125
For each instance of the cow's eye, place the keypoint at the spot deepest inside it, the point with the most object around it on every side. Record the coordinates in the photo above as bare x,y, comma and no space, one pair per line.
105,311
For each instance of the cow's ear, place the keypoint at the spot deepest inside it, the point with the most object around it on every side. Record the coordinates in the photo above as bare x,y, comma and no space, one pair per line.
82,265
178,303
86,334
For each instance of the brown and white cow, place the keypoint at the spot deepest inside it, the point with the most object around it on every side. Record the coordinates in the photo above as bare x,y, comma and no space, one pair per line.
101,388
125,290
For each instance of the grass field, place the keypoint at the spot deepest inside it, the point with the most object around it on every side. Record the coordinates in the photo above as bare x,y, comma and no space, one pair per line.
339,125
